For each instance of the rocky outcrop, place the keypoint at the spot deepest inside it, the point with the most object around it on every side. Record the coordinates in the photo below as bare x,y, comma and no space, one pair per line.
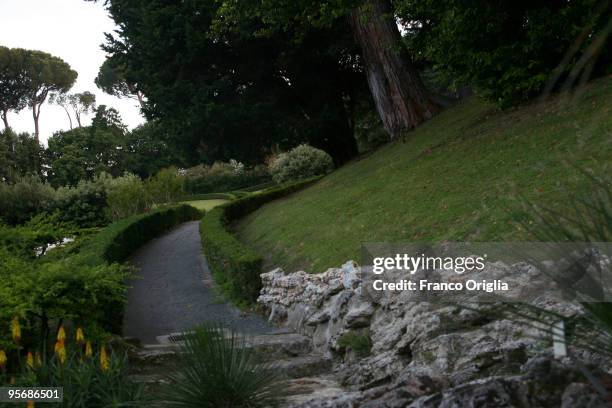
393,350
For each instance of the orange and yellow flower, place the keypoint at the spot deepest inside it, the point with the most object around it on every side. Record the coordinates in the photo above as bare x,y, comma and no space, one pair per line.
80,336
30,404
30,360
3,359
37,359
16,329
104,362
88,350
61,334
60,351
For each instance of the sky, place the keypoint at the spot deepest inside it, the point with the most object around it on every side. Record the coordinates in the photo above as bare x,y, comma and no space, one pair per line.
72,30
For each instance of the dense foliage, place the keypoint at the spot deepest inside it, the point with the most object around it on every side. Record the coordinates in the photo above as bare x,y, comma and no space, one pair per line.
20,155
85,204
509,51
233,96
23,199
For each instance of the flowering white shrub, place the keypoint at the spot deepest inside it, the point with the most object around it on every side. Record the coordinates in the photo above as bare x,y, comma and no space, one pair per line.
300,162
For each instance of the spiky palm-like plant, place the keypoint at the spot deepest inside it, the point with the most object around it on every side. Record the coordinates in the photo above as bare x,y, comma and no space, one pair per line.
219,371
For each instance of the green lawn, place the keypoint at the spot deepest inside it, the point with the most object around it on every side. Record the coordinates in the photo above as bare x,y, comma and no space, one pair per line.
205,204
456,177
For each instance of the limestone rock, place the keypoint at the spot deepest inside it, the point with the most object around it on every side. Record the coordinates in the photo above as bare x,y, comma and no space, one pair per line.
424,353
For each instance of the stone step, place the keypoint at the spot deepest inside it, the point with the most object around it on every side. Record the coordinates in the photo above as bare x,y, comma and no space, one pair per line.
311,391
277,345
303,366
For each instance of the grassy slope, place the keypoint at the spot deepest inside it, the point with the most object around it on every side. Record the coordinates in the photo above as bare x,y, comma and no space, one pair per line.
453,179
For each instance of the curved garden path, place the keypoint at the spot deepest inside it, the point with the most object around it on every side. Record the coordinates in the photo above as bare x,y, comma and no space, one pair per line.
173,291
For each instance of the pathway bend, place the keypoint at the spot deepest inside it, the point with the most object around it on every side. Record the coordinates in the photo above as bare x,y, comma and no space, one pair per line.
173,290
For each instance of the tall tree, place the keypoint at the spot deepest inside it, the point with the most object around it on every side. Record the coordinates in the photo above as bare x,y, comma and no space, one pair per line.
13,82
401,99
85,152
398,91
82,103
45,74
62,100
227,95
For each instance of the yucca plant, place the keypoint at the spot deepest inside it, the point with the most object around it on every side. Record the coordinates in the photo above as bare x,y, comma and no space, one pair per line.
588,220
218,371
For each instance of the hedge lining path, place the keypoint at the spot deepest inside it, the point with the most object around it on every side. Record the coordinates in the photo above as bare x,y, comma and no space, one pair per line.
174,290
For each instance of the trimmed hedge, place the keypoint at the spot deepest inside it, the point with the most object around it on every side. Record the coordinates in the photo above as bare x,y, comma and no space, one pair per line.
119,240
209,196
235,267
223,183
261,186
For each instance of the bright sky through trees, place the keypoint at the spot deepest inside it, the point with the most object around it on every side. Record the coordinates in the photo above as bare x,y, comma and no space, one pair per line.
72,30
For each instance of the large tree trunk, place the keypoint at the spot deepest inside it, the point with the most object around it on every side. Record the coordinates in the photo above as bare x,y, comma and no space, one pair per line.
398,91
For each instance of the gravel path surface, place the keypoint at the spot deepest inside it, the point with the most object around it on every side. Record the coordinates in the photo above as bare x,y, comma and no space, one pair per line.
174,290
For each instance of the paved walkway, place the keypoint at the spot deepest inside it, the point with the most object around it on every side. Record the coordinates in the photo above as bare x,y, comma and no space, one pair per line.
174,290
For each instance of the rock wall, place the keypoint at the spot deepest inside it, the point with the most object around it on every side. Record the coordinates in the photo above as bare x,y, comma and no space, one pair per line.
422,354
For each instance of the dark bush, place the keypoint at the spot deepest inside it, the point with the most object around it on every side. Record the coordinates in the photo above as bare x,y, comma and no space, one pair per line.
25,198
83,205
235,267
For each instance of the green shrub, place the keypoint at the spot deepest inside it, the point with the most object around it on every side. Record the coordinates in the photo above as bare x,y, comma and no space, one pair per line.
44,291
34,237
218,370
85,204
223,177
25,198
127,196
360,344
167,186
300,163
235,267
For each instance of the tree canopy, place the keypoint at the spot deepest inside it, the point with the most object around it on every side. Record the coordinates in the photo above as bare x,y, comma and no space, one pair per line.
230,96
13,81
45,74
